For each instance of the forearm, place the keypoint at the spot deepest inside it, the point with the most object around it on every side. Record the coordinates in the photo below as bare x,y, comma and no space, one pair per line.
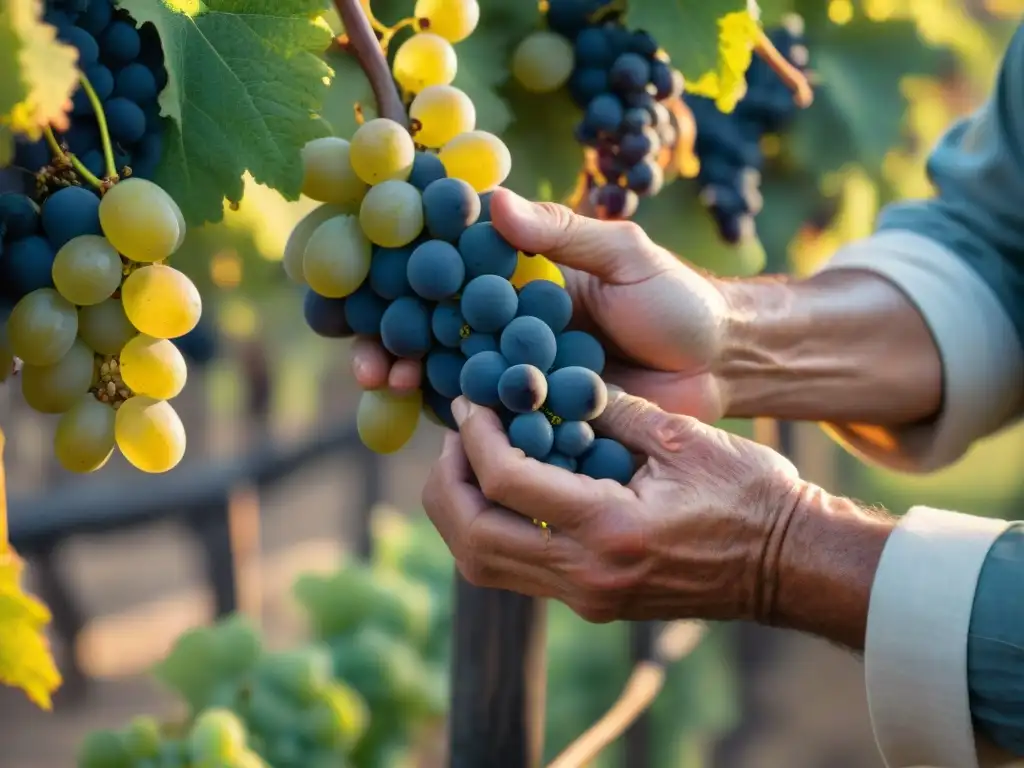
819,565
844,346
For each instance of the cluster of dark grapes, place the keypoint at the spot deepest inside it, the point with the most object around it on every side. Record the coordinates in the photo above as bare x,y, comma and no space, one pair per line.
248,708
622,81
729,145
447,297
90,313
125,66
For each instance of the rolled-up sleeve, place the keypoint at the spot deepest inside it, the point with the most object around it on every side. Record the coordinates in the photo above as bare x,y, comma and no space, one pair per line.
916,657
959,257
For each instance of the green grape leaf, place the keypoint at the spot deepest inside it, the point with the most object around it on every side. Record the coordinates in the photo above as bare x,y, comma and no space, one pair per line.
709,41
246,83
858,109
546,159
39,73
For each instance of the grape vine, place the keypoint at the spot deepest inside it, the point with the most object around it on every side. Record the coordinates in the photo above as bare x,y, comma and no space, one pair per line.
129,122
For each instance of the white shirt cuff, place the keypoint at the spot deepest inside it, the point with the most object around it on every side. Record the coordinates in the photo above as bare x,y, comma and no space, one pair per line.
915,649
982,358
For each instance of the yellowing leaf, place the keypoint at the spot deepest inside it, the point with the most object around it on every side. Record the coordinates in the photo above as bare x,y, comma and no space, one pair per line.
39,72
25,658
709,41
737,33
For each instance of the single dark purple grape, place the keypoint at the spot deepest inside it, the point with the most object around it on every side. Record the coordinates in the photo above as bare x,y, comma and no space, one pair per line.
610,166
636,119
604,114
629,73
594,48
643,43
614,202
661,79
645,178
619,38
586,84
634,147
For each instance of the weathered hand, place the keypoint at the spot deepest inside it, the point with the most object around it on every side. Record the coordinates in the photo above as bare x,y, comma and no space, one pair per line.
662,323
695,534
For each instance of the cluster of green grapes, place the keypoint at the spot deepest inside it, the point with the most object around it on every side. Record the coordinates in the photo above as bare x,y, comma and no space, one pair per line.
249,708
381,629
95,308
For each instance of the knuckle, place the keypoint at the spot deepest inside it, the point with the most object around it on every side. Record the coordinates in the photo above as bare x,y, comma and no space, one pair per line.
625,543
593,612
432,489
472,569
602,583
633,235
495,482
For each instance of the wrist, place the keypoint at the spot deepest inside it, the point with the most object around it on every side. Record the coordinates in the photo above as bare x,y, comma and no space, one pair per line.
843,346
819,564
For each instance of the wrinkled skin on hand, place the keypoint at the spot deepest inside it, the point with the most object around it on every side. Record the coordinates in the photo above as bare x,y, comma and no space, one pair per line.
696,533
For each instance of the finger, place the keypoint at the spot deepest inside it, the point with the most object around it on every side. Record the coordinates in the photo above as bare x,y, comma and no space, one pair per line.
643,427
606,249
449,496
669,390
405,375
371,363
539,491
490,543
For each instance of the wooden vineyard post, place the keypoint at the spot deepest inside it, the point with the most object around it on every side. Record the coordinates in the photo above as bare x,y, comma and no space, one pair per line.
499,679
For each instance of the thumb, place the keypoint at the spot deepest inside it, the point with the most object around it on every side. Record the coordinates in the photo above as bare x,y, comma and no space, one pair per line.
643,427
605,249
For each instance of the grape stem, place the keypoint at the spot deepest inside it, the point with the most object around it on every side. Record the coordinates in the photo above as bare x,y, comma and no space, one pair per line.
797,81
67,157
363,44
101,122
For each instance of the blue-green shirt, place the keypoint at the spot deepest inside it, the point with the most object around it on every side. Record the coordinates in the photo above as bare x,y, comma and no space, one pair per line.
978,214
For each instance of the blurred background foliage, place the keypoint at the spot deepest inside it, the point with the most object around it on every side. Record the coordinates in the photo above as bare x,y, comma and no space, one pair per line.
891,75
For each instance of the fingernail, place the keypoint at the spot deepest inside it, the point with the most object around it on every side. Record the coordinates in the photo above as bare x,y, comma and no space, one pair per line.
460,410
